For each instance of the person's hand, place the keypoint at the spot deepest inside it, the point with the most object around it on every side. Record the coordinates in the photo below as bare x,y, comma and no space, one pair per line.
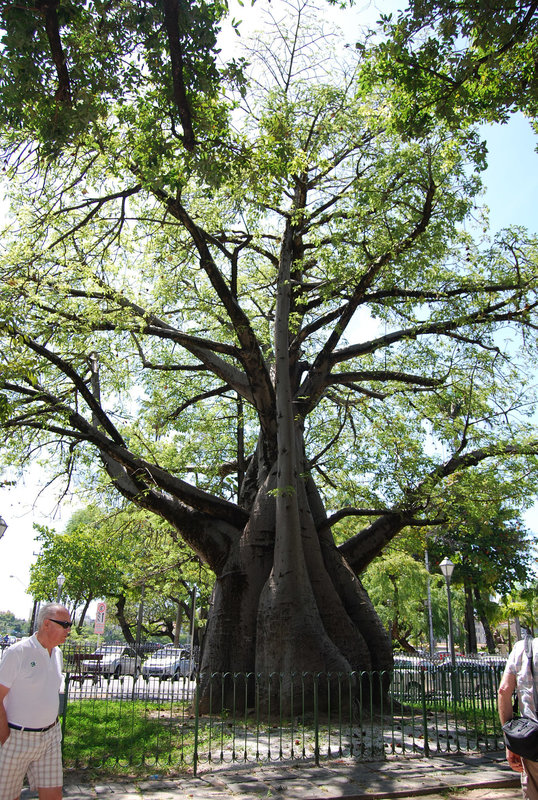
514,761
3,739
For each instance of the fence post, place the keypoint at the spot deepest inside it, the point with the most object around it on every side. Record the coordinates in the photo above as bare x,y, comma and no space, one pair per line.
424,713
63,702
63,705
316,720
196,724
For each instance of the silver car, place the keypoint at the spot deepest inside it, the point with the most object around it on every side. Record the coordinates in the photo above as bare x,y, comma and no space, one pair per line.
111,661
169,662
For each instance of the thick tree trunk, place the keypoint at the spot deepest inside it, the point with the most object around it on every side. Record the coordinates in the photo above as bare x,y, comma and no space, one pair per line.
305,612
120,615
490,639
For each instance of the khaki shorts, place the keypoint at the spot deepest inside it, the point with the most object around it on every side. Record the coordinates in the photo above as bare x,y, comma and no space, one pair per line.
529,779
36,754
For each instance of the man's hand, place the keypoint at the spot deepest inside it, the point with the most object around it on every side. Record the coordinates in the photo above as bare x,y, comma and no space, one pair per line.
514,761
4,730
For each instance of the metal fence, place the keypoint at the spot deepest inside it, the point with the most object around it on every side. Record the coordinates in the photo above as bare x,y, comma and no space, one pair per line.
146,723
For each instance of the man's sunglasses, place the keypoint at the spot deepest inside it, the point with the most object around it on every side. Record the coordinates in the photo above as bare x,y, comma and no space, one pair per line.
65,625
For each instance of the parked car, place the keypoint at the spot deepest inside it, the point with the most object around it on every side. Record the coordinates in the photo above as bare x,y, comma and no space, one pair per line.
493,660
169,662
111,661
472,676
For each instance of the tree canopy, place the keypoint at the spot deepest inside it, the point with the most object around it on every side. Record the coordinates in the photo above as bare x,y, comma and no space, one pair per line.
262,331
465,62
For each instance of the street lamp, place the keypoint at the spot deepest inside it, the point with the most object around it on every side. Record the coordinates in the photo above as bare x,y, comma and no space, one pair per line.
447,568
34,607
60,580
3,526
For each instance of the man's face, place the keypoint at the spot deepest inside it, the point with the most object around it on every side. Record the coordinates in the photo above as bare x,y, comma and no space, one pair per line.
57,633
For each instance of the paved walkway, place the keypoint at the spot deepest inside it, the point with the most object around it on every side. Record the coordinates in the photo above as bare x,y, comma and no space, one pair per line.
458,777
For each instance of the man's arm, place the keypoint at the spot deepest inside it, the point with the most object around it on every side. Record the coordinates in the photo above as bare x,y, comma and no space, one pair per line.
507,688
4,730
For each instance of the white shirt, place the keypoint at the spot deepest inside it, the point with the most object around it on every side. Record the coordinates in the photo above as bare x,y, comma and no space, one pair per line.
518,665
34,680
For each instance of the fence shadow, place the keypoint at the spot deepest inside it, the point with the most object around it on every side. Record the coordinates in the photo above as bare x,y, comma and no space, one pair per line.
130,724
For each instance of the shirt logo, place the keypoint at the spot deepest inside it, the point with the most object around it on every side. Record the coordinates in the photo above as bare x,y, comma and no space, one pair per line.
32,663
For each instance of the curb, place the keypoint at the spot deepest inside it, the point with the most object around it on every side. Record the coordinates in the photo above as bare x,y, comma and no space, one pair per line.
462,777
403,794
399,794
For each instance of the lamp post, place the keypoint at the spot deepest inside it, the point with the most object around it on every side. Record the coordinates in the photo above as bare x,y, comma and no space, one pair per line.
60,580
3,526
33,612
447,568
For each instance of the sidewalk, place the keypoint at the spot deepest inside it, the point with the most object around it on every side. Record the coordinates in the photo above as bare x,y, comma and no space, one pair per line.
466,777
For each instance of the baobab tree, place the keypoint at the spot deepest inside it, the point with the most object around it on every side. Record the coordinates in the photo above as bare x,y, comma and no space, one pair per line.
249,298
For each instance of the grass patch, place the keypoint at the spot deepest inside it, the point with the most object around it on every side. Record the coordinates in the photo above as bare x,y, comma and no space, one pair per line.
127,737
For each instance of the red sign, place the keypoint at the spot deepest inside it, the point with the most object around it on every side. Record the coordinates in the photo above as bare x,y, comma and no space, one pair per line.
100,618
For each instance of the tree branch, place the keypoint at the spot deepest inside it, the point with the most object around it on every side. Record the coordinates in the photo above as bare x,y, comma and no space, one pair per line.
98,203
382,375
171,24
78,383
251,357
314,384
52,27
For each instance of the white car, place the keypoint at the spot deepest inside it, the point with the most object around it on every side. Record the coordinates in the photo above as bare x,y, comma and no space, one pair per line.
169,662
111,661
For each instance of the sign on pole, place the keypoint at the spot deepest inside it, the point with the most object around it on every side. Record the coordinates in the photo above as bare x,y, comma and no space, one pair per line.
100,618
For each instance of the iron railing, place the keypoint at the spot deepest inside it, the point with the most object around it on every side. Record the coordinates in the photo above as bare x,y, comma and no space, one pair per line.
146,724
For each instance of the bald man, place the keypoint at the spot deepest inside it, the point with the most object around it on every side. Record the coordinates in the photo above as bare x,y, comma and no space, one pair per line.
30,733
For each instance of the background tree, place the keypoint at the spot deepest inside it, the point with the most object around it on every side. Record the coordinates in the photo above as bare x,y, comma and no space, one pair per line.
482,530
159,574
396,584
518,606
490,556
488,542
529,594
83,555
11,625
103,556
282,315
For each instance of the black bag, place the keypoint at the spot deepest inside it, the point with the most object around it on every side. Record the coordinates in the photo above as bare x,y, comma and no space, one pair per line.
521,733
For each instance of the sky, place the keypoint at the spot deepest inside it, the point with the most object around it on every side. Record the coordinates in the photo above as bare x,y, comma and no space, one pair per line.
512,196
